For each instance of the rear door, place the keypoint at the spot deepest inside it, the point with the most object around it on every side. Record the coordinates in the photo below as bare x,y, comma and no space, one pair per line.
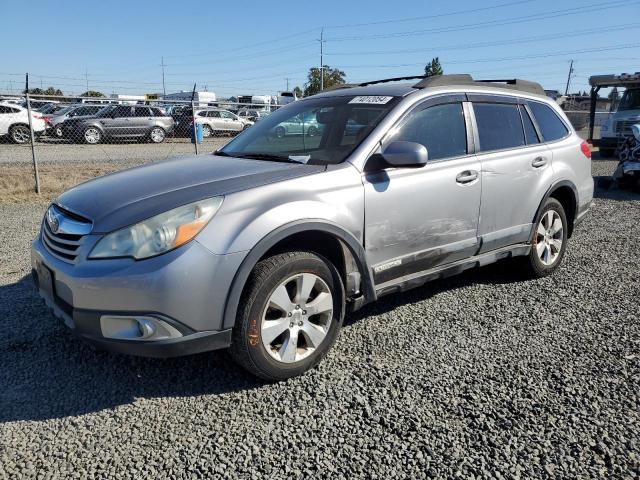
516,169
141,121
420,218
231,122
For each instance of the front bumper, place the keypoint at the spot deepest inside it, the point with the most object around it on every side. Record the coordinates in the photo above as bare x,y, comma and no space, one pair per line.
186,288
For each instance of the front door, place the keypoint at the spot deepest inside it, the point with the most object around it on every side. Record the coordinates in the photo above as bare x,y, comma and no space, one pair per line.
420,218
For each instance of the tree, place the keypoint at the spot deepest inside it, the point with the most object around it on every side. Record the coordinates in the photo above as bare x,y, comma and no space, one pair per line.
433,67
298,92
92,93
48,91
331,78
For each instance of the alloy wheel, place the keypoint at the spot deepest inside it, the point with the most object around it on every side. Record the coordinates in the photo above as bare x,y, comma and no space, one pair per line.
157,135
548,238
297,318
92,135
20,134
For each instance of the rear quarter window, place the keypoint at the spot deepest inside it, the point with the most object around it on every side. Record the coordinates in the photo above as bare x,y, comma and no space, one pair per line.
550,125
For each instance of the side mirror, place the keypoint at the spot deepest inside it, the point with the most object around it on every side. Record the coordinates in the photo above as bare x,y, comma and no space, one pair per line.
399,155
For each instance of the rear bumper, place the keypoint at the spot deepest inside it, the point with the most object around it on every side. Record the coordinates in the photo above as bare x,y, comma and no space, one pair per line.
605,142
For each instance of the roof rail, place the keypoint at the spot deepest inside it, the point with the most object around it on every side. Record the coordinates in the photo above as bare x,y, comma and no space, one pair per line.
464,79
454,79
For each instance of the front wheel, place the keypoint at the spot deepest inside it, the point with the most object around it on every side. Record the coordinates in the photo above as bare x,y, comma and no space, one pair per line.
206,131
157,135
549,241
290,314
92,136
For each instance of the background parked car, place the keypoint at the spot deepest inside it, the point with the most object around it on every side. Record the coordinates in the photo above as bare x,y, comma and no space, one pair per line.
119,122
298,125
253,115
14,122
55,120
214,120
38,104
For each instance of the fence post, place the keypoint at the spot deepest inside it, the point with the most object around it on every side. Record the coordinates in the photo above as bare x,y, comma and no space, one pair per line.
195,130
33,148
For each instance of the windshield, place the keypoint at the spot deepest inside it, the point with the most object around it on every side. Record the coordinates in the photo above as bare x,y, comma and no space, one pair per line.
319,131
630,100
68,109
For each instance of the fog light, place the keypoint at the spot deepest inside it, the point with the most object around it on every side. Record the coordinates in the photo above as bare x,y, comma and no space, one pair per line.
121,327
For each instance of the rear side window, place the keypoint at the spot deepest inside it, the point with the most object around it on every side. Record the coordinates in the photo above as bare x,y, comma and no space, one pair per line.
440,128
530,133
499,126
550,125
141,112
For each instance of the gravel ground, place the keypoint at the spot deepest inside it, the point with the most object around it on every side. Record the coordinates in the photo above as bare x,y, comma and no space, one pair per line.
482,375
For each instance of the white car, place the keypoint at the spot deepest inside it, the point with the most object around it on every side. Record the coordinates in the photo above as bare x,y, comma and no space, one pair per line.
216,120
14,121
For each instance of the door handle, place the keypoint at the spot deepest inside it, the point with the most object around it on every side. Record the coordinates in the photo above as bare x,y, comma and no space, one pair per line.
539,162
467,176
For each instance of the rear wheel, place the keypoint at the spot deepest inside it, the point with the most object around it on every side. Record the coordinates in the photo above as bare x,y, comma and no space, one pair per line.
549,241
290,315
206,131
20,134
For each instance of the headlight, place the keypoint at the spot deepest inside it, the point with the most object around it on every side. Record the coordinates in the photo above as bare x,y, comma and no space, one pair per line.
158,234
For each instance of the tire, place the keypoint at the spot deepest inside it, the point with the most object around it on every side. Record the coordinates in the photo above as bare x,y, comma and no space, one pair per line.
206,131
607,152
312,131
157,135
92,135
263,330
546,253
20,134
57,131
280,132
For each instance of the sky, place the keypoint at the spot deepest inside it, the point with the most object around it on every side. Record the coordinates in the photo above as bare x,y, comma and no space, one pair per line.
241,47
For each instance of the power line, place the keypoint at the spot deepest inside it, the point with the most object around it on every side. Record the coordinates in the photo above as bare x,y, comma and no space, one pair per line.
428,17
511,41
499,22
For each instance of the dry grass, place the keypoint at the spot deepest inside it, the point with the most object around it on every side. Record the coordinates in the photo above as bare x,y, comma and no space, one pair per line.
17,183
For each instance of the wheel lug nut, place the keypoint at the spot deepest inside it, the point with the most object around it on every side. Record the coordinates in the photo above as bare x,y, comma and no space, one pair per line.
289,314
304,312
291,325
299,324
297,307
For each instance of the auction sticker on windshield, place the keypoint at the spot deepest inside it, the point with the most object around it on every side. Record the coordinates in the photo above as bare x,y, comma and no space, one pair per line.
375,99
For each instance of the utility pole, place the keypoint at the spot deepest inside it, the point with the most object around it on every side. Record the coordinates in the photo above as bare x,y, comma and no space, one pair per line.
86,79
287,79
566,90
164,90
321,59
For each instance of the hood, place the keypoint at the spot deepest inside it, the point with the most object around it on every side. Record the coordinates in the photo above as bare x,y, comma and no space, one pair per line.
129,196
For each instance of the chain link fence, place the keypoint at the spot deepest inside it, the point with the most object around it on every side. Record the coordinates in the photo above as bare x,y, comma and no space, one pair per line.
87,136
71,139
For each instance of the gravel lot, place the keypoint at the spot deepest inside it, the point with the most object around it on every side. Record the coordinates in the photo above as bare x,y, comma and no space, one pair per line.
483,375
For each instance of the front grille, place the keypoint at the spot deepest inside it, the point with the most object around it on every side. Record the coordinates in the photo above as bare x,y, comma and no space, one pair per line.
64,246
624,126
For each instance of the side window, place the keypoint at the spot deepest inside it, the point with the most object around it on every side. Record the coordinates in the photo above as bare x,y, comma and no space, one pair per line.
228,115
440,128
157,112
141,112
4,109
122,111
499,126
551,127
214,114
530,134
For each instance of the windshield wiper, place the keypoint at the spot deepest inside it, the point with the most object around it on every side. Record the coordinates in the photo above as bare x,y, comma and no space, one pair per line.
220,153
268,156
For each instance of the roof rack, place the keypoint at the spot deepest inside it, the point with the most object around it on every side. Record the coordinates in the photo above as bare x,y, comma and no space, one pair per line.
464,79
453,79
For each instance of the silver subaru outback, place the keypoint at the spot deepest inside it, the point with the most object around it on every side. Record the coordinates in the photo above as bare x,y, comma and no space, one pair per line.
263,246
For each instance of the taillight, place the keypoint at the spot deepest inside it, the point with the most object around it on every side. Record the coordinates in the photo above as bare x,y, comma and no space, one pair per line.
586,150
